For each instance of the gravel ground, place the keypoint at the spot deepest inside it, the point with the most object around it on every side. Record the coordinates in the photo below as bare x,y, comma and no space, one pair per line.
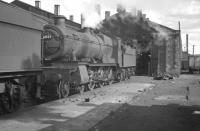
173,105
140,104
74,113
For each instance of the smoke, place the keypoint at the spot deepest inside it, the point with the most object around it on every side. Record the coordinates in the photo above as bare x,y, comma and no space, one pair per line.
120,8
162,34
93,17
94,12
98,9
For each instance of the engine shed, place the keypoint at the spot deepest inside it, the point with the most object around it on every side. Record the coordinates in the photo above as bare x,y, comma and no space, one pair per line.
158,47
166,51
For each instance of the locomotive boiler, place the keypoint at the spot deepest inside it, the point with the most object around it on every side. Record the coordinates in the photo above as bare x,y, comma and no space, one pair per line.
76,60
60,42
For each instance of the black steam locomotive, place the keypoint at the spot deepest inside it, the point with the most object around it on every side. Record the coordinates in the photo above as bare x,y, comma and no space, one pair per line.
53,61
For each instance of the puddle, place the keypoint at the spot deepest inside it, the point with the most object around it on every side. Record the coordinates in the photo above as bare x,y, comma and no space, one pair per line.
171,97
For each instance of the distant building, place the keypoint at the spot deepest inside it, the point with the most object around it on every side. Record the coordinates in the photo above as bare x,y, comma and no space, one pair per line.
166,51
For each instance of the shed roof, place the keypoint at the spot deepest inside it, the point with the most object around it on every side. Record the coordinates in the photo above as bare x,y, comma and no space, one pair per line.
14,15
45,14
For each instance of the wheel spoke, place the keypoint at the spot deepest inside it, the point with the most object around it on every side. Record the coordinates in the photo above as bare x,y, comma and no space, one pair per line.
6,103
64,89
11,99
91,86
81,89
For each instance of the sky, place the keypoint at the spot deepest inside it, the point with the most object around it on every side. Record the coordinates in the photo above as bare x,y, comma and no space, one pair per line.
165,12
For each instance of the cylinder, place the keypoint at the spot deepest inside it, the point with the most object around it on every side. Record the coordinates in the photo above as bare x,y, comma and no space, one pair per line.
59,21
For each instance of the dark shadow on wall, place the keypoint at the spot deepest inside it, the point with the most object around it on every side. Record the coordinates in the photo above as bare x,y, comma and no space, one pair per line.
31,62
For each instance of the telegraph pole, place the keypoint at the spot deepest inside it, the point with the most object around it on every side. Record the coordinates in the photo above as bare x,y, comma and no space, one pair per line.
193,54
187,50
187,43
179,46
193,49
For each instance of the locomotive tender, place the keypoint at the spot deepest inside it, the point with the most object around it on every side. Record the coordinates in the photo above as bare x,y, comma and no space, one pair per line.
51,61
20,55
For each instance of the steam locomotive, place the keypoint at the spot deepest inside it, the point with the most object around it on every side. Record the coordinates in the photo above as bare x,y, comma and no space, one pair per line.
53,61
83,59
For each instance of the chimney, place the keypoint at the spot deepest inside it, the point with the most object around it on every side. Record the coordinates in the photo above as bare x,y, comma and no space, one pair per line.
187,43
37,4
134,11
120,8
82,21
56,9
107,15
144,16
179,26
71,17
139,13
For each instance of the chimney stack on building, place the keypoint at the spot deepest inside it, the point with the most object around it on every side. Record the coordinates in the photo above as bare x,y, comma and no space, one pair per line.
139,13
144,16
134,11
56,9
179,26
37,4
107,15
82,21
71,17
120,8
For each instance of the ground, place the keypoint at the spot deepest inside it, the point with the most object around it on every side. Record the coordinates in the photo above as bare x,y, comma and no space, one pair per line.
140,104
173,105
